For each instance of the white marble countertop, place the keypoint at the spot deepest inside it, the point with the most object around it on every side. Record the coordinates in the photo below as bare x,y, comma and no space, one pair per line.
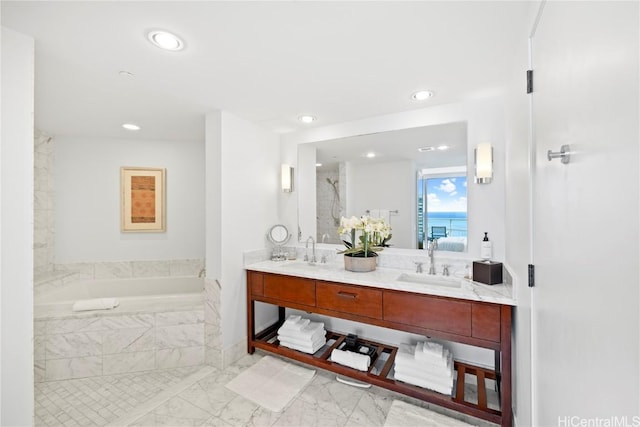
389,278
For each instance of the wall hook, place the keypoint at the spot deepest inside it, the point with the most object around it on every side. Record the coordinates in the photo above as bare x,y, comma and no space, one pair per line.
564,154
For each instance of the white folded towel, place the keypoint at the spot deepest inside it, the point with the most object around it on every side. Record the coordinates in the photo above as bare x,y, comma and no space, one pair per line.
353,360
440,375
95,304
440,388
310,348
429,351
295,323
407,352
303,334
321,333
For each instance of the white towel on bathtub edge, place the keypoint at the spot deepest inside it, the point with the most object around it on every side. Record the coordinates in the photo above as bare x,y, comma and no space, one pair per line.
95,304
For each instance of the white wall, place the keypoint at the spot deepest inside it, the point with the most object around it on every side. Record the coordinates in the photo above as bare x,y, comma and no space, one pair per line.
87,205
244,198
16,230
369,192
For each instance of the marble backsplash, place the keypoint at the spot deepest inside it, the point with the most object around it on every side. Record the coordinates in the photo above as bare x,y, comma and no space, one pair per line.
404,259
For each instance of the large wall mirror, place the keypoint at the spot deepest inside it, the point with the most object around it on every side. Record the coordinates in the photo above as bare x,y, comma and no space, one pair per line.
415,178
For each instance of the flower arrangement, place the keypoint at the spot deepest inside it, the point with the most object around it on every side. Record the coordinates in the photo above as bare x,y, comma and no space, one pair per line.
367,235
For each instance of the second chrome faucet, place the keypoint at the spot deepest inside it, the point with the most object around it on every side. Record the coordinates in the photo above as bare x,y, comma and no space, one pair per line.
311,260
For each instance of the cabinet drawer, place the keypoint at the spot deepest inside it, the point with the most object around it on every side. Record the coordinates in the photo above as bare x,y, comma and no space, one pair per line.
256,282
356,300
485,321
291,289
428,312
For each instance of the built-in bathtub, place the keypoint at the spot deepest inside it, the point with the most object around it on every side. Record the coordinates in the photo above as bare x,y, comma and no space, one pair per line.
158,324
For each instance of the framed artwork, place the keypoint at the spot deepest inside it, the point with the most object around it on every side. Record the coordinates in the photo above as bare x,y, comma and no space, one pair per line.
143,199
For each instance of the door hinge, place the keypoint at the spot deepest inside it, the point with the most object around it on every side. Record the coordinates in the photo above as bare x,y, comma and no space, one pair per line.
532,275
529,81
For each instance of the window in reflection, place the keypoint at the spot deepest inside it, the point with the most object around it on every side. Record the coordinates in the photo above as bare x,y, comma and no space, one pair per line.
442,211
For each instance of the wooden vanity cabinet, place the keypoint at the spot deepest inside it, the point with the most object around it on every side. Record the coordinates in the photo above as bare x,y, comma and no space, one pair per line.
481,324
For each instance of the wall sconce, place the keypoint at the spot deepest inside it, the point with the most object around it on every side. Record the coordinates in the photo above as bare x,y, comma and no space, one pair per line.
483,160
287,178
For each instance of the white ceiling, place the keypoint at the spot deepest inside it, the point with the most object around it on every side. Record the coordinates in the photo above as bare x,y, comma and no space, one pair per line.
267,62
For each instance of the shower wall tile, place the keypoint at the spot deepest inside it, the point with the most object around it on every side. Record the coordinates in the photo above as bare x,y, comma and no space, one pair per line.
77,367
39,371
180,336
128,362
73,345
39,327
39,347
113,270
179,357
150,268
186,267
171,318
128,340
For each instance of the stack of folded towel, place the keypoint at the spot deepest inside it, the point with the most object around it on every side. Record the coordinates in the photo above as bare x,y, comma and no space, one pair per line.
426,364
301,334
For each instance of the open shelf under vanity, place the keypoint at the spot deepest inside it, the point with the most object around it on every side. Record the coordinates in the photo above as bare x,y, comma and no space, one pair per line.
492,328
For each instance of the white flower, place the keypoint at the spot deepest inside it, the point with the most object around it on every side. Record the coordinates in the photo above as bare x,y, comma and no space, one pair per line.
374,231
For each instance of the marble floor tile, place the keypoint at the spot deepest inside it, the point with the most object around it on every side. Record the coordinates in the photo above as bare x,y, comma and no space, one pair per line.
192,396
331,396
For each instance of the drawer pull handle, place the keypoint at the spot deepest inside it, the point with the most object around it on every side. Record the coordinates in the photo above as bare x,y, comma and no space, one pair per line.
347,295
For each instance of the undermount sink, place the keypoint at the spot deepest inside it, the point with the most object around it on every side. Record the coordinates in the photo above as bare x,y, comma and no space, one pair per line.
427,279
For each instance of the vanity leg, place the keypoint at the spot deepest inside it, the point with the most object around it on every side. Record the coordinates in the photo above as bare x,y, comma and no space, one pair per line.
251,331
281,317
498,370
505,375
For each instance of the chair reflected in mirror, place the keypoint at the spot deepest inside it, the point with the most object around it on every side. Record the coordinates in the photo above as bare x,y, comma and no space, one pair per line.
438,232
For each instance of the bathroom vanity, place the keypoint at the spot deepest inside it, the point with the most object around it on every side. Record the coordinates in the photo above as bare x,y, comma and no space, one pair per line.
471,313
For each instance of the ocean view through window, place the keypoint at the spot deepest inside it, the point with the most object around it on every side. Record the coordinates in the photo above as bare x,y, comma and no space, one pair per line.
442,211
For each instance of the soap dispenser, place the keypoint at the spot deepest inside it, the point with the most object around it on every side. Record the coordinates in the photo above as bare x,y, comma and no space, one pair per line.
485,248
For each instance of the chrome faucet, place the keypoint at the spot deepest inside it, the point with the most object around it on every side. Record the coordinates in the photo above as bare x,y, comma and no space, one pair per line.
445,270
311,260
418,267
433,245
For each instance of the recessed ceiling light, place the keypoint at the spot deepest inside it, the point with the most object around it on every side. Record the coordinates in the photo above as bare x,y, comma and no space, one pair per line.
307,118
130,126
421,95
443,147
165,40
371,155
425,149
318,165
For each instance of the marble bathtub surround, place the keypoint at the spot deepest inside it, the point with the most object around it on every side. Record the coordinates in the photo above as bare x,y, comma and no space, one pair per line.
111,344
67,273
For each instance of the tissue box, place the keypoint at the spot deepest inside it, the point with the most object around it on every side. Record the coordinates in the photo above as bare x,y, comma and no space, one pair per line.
488,272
